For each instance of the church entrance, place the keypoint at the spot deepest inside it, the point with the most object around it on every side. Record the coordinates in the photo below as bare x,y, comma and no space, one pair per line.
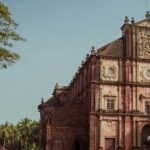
109,144
145,137
76,145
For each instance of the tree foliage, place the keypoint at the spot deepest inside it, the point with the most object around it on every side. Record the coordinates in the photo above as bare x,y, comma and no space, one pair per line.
8,35
23,136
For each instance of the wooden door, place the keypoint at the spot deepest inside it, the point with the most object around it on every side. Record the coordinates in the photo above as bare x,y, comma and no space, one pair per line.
76,145
109,144
145,137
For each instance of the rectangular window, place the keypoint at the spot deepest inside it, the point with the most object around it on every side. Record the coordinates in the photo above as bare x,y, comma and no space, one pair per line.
147,107
110,104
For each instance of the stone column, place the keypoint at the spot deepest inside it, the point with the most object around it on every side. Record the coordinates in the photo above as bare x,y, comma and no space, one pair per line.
120,70
48,136
137,70
100,69
134,98
119,98
128,133
93,87
137,135
127,98
100,97
119,131
97,98
92,121
134,133
100,133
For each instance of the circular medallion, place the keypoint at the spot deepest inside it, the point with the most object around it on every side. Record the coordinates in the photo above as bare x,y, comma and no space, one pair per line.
110,72
147,74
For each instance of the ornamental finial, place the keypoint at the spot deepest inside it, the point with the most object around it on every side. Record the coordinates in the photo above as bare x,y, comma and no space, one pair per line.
93,50
42,100
126,21
132,20
147,15
56,86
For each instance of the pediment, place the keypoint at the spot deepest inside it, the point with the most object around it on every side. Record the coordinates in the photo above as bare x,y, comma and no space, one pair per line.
143,23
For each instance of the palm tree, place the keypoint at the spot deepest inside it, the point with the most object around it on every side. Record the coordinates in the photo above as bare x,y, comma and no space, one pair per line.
33,147
5,131
15,137
25,128
35,131
23,136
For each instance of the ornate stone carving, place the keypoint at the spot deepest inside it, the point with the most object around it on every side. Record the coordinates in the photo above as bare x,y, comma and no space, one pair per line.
145,93
147,73
109,128
109,72
143,43
144,73
144,23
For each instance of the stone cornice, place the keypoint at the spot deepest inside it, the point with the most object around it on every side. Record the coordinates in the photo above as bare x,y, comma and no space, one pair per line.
123,58
119,113
133,84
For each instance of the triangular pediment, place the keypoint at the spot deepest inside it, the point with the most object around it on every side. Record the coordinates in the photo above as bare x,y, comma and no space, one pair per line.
143,23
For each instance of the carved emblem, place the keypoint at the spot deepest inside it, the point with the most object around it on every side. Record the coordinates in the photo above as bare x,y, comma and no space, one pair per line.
145,73
143,43
109,72
109,128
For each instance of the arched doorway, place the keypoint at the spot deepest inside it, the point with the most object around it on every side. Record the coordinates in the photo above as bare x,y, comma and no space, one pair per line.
76,145
145,137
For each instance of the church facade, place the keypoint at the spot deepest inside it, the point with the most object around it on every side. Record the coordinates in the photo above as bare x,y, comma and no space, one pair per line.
106,106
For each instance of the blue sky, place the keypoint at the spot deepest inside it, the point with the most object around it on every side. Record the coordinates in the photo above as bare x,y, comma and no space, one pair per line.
59,34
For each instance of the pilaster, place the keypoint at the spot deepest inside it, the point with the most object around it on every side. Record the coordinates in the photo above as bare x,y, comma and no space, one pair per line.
93,129
48,136
119,131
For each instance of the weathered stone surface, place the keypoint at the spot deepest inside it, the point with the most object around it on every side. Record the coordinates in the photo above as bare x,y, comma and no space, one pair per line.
77,117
